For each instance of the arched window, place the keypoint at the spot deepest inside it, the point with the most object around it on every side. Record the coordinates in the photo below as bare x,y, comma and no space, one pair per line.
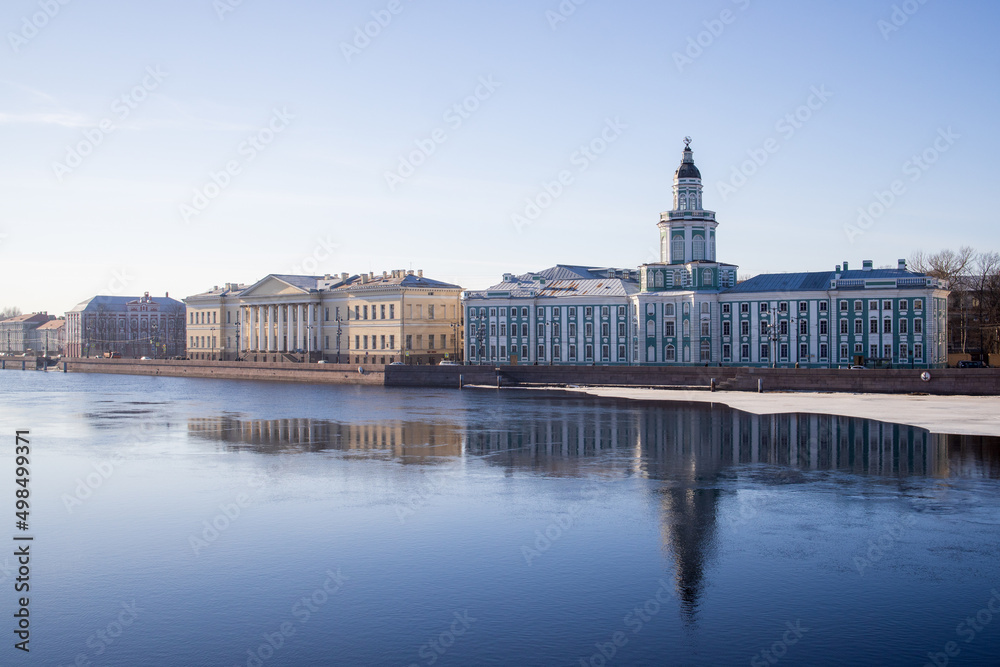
683,202
649,279
670,354
706,351
677,250
699,247
706,277
668,310
687,328
659,278
650,329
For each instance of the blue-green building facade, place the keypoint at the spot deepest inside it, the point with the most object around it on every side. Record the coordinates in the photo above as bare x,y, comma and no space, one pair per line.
689,308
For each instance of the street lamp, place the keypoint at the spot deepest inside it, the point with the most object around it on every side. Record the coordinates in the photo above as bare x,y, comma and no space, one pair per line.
339,330
239,328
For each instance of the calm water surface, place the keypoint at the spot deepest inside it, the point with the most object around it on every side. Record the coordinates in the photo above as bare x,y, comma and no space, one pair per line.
196,522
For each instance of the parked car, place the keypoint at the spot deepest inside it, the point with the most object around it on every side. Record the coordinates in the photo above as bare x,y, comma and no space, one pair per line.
321,361
144,359
449,363
859,368
972,364
397,363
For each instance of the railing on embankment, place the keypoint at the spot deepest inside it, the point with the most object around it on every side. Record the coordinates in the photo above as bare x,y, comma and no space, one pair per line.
965,381
22,363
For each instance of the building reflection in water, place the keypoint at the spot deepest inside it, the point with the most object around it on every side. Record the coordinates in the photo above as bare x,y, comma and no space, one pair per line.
687,447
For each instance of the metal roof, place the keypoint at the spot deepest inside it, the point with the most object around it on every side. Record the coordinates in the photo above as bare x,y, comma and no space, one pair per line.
119,302
814,281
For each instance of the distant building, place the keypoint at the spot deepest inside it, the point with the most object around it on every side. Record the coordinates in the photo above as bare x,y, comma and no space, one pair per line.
688,308
395,316
50,338
17,334
132,327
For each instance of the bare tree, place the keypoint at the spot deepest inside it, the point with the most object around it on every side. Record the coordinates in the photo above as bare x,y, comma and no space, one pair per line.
986,274
946,265
9,311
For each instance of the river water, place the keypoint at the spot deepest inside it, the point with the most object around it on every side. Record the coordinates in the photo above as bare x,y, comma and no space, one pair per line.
200,522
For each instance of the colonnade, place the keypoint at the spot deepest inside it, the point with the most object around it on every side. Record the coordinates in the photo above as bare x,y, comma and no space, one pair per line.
281,327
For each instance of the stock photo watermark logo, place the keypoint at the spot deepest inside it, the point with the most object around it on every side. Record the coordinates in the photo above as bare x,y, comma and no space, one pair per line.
779,649
786,126
544,539
104,638
32,25
968,630
122,108
562,13
714,28
220,523
247,152
583,158
426,491
324,251
223,7
878,547
635,621
913,169
301,611
454,116
433,649
365,34
899,17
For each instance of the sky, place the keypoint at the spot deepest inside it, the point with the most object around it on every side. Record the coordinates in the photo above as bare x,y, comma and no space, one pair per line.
172,146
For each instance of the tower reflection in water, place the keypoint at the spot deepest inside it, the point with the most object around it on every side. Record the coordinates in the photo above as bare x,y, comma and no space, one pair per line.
688,449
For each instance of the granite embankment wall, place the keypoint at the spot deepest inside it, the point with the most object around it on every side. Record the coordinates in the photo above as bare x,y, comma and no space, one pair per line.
233,370
20,363
967,381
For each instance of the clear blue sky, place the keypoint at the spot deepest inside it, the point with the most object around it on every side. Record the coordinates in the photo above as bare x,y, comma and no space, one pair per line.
114,222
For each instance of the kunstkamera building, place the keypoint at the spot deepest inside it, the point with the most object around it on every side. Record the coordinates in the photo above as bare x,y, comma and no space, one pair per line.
689,309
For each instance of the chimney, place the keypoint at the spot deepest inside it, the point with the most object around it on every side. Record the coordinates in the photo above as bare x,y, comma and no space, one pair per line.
364,278
328,277
867,264
371,275
837,270
385,275
166,295
410,272
845,266
420,273
344,276
902,265
215,288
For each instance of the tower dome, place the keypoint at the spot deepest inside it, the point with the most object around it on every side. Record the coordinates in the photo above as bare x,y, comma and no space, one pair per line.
687,168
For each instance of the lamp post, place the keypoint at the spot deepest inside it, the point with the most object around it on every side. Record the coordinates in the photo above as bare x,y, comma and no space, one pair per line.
239,327
339,330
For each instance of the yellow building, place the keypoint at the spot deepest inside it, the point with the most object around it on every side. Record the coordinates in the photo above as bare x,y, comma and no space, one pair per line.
395,316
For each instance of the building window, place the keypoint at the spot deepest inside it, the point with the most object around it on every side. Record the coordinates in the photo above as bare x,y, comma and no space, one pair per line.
621,330
873,305
803,306
589,351
763,307
918,304
524,314
605,312
783,351
887,351
588,329
605,329
670,354
902,305
541,330
725,309
357,312
706,278
409,344
392,342
859,348
918,326
858,305
804,352
873,326
503,329
843,352
430,311
764,352
783,328
726,352
524,330
903,328
887,326
843,306
668,310
706,329
698,246
887,305
859,327
669,329
918,350
744,328
588,312
783,307
803,327
873,351
823,306
503,312
621,311
843,326
726,331
621,353
823,328
524,351
493,329
903,352
555,312
572,329
744,352
605,353
677,250
572,352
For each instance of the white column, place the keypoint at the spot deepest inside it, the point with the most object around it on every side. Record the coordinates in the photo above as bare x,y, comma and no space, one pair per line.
282,346
251,336
299,333
310,308
262,328
272,328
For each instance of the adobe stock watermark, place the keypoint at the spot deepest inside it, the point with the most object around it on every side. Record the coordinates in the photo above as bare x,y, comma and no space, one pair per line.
223,7
247,152
426,491
899,17
786,126
122,108
88,485
322,252
220,523
582,159
454,117
968,630
32,25
779,649
561,523
634,621
714,28
365,34
301,612
887,539
433,649
104,638
913,169
562,12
